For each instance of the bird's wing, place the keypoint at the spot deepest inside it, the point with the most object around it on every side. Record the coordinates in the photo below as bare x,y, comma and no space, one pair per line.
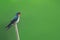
14,20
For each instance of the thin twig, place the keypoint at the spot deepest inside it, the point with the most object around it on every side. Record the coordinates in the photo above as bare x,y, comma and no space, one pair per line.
17,33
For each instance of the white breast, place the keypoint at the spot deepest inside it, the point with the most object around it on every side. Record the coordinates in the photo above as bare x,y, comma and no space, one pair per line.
18,20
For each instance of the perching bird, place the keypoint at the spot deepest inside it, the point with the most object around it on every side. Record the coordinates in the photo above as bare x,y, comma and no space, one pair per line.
15,20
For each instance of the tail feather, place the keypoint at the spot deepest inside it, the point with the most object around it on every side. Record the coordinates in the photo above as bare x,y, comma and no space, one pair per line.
8,26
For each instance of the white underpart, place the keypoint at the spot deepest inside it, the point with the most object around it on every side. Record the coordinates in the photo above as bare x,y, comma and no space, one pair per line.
18,19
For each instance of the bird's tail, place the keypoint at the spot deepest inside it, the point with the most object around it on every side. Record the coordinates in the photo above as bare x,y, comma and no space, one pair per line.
8,26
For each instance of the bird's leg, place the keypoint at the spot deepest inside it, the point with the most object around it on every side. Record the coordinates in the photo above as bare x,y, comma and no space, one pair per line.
17,33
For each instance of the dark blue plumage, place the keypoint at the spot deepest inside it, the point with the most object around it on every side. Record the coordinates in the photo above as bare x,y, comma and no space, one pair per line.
14,21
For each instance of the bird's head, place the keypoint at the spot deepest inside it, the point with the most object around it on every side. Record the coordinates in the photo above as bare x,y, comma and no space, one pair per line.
18,14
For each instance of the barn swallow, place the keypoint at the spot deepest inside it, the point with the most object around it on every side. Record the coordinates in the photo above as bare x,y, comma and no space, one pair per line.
15,20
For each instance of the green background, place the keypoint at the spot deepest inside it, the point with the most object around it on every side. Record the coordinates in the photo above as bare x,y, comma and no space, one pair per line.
40,19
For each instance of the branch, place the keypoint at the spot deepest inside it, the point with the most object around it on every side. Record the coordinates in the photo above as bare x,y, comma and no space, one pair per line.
17,33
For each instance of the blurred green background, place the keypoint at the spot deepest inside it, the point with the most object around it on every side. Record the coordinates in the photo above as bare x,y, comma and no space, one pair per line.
40,19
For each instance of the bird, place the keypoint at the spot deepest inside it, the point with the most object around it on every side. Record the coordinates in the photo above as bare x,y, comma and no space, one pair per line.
15,20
